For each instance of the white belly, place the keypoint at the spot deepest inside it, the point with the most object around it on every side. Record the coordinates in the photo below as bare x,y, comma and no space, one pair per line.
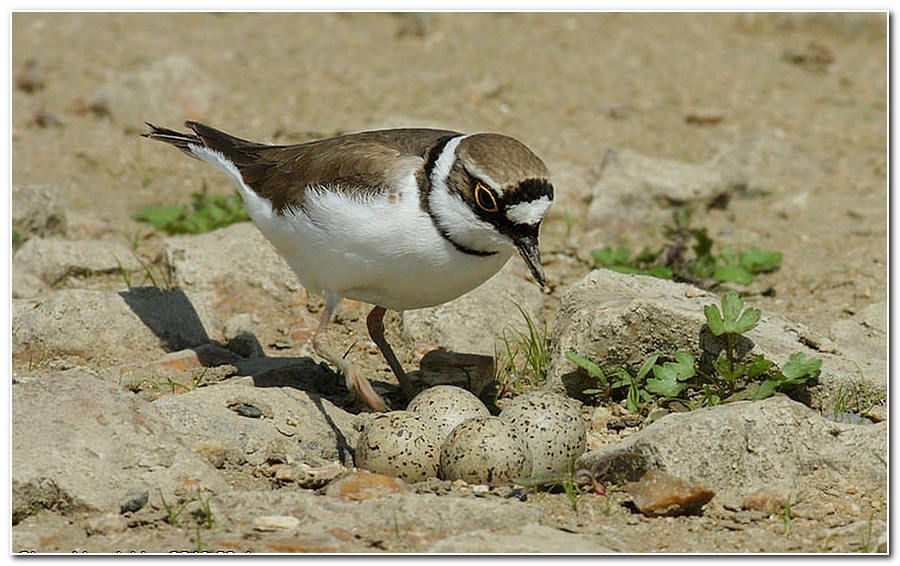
383,251
350,249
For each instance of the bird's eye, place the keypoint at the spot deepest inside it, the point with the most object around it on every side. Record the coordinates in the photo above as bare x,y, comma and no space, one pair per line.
485,199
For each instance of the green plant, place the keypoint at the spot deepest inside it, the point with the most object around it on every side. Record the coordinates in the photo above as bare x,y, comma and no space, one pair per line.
525,356
16,238
171,513
701,267
682,381
206,213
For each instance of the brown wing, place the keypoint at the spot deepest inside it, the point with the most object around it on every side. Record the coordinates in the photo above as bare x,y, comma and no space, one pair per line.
366,162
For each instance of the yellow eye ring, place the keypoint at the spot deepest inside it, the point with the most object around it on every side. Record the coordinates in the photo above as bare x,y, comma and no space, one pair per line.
485,199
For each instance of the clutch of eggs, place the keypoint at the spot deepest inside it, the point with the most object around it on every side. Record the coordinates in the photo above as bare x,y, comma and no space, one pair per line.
447,432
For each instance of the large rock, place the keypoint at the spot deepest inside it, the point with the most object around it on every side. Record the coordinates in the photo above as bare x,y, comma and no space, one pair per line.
55,260
646,187
235,254
81,444
112,327
775,444
618,320
38,210
290,425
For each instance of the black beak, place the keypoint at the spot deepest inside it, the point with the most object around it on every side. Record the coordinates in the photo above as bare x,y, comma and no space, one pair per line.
528,249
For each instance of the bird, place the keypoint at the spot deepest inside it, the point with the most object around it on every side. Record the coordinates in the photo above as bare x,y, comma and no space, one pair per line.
401,218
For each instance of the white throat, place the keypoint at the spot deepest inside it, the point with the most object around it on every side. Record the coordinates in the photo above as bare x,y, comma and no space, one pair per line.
454,217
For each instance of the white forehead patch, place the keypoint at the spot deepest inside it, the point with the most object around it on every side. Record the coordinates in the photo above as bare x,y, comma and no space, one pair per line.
530,212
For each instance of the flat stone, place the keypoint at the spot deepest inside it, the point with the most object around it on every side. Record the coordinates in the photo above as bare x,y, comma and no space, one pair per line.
275,523
38,210
55,260
659,494
78,443
113,327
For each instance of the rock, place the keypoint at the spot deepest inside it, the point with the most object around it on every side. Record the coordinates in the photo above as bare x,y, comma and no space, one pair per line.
135,500
113,327
765,500
475,323
77,440
28,285
740,448
56,260
38,210
295,426
646,187
532,539
106,525
619,320
170,90
309,477
275,523
196,261
659,494
363,485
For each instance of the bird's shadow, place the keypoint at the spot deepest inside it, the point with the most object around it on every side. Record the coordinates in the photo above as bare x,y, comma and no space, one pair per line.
171,316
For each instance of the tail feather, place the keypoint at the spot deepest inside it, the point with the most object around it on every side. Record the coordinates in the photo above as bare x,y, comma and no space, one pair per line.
180,140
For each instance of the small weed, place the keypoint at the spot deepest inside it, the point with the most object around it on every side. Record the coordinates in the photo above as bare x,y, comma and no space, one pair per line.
206,213
525,356
171,513
700,267
572,492
16,239
786,517
682,382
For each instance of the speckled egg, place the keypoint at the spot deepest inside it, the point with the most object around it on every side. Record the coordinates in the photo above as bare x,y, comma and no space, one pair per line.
446,406
485,450
551,426
398,444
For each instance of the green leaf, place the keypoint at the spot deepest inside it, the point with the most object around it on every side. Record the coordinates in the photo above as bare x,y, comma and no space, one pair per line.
759,366
714,319
160,216
608,257
799,367
766,389
664,383
647,366
667,376
733,273
748,320
587,365
732,304
757,261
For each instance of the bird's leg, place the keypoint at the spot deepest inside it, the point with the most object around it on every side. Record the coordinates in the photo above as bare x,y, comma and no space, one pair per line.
356,382
375,324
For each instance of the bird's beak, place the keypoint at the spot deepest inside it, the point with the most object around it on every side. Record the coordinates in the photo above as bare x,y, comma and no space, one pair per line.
528,249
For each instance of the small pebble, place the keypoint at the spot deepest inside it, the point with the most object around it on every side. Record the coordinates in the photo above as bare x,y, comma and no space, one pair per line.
248,411
518,493
274,523
362,486
481,490
659,494
135,500
848,418
764,500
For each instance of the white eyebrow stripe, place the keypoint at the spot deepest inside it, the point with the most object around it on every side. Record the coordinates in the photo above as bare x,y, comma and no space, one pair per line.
530,212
